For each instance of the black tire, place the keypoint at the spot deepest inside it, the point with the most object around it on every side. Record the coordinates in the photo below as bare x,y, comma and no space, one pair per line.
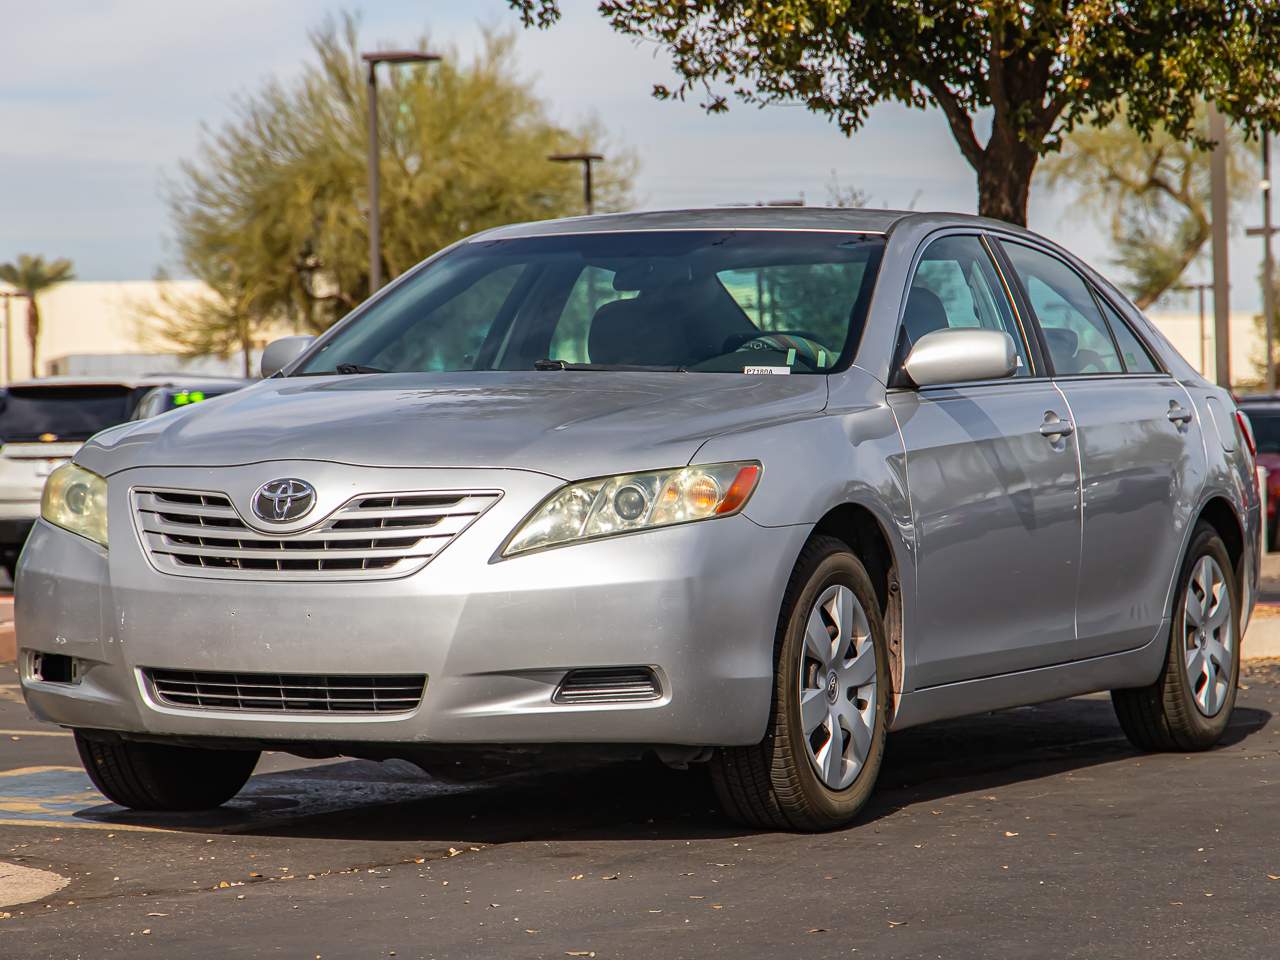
772,784
1165,716
153,776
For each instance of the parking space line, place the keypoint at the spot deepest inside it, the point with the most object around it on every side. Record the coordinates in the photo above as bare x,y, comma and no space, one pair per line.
35,733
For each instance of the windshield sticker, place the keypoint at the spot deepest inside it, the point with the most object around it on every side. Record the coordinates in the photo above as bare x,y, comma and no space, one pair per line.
766,370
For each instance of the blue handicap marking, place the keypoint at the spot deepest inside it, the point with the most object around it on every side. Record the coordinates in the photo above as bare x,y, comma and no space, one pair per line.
45,794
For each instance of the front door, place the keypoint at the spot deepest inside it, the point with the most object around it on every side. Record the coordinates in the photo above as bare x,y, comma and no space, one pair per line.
993,477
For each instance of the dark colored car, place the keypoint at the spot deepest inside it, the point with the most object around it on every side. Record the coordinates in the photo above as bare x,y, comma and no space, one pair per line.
1263,412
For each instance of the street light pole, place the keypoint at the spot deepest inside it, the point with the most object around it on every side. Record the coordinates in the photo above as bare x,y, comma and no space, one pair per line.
375,185
1219,212
1267,231
586,159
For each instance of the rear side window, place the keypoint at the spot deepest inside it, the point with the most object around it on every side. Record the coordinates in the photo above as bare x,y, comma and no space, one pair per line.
956,286
1077,336
1137,359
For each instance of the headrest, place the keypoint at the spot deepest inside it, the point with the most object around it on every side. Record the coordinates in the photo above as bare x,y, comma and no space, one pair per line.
924,314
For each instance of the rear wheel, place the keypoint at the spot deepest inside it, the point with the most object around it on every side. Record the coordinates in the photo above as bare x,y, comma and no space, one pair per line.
1190,704
818,762
153,776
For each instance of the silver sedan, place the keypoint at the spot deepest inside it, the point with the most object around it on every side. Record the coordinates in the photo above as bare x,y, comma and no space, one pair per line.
744,487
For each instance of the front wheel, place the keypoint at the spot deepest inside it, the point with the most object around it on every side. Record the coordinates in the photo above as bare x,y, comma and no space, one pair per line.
817,765
153,776
1190,704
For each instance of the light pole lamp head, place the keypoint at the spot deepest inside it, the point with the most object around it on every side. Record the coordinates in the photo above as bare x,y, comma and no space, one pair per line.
575,157
399,56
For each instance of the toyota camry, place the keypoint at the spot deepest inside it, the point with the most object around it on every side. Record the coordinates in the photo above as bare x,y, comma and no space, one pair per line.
743,487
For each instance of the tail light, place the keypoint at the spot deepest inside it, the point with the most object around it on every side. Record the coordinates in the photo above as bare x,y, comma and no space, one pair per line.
1246,431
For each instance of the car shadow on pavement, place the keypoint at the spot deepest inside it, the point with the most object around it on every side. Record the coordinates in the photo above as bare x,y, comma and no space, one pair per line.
394,801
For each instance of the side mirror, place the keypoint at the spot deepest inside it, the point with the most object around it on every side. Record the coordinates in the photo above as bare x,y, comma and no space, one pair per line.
280,353
958,354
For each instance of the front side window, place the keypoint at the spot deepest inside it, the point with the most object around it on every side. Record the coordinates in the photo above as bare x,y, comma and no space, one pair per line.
697,301
1074,330
956,285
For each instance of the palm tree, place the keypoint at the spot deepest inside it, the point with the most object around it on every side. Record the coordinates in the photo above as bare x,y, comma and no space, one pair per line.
31,275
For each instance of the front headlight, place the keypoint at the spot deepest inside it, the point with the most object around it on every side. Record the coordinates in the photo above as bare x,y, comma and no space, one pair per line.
635,501
76,500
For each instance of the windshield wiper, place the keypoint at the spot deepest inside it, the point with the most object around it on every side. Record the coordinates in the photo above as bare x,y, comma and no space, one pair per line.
350,368
566,365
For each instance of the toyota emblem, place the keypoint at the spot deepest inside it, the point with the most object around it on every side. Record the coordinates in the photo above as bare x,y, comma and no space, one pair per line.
279,501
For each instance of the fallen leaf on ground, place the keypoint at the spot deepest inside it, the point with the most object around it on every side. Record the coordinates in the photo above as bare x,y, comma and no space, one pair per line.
579,953
817,930
1009,833
896,923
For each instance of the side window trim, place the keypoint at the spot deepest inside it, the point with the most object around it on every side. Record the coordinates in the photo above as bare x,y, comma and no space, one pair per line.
1025,317
1108,307
1031,347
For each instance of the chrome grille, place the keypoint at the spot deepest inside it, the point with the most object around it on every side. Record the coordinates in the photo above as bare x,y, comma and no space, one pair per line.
287,693
608,685
200,534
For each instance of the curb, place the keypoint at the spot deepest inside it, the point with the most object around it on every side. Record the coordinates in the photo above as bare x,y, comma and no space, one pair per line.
1262,639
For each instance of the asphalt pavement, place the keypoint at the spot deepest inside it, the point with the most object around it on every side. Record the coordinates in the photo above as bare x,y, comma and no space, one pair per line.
1035,832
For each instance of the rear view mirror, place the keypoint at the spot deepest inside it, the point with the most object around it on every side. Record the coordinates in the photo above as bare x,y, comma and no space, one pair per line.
280,353
959,354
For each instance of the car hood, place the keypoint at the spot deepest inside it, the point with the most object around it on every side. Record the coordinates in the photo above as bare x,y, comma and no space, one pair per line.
569,424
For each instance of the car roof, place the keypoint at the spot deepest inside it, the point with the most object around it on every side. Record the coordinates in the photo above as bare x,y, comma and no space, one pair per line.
841,219
150,380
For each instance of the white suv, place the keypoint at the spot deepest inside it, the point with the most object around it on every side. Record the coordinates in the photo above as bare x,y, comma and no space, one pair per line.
44,422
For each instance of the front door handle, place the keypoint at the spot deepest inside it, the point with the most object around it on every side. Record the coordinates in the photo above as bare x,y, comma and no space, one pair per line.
1055,426
1178,413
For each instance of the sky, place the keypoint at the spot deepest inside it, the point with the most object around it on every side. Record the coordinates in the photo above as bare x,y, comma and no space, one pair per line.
100,100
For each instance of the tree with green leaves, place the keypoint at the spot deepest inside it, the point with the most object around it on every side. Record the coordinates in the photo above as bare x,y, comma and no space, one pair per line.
1152,193
1035,69
31,276
272,215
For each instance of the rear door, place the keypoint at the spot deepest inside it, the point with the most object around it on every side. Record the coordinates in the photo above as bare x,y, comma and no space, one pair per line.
992,470
1141,453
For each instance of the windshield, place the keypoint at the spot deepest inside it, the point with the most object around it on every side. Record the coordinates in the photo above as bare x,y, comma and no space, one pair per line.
709,301
61,413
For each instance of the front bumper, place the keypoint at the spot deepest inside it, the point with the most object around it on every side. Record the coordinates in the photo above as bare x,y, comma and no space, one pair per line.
698,604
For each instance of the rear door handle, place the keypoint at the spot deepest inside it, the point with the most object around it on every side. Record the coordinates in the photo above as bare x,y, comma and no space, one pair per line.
1055,426
1178,413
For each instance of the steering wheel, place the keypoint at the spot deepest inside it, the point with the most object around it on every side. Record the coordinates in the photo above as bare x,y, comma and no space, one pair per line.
804,343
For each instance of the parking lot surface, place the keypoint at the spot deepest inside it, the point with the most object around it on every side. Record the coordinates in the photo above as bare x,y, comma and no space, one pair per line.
1035,832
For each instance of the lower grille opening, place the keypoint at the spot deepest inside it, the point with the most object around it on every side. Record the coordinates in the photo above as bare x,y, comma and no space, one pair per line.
288,693
608,685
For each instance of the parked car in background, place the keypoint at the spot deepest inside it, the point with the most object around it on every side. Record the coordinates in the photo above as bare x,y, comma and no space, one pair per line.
1263,411
43,422
184,393
748,487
